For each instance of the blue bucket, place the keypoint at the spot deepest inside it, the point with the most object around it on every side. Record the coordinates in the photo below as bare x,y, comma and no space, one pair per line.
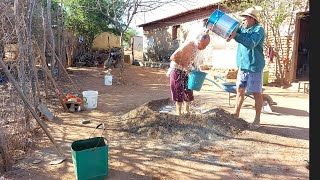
221,24
195,80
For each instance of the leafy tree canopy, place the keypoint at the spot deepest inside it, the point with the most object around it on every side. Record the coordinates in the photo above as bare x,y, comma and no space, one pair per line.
83,18
128,35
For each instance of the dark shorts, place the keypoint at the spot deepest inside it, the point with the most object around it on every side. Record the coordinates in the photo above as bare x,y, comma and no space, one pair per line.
179,86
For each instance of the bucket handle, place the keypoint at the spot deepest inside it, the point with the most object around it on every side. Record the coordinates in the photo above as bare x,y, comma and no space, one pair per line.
101,124
103,130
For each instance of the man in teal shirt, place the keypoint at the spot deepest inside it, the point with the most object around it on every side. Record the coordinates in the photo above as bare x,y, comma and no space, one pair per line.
250,61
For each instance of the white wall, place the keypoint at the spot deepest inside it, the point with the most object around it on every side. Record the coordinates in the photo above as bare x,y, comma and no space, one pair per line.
138,47
223,53
138,43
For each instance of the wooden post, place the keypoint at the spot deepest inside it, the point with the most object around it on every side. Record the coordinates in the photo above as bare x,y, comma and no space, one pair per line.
20,28
57,89
7,163
132,49
34,67
42,53
48,74
50,35
33,70
62,67
29,106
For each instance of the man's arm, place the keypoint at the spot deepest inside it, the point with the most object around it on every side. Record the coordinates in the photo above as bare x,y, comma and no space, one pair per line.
252,40
233,34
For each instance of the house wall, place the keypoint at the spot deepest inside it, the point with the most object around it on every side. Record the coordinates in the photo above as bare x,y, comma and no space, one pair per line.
138,47
288,49
158,44
105,41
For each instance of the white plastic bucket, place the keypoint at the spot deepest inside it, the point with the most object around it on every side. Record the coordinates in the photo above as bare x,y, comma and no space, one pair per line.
222,24
90,99
108,80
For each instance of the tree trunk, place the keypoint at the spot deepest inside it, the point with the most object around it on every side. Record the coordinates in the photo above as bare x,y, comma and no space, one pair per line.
63,50
5,160
58,47
63,54
20,27
69,50
122,52
31,64
132,50
51,38
75,89
43,54
279,67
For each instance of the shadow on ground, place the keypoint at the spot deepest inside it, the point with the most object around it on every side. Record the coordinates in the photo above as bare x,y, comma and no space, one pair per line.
290,111
285,131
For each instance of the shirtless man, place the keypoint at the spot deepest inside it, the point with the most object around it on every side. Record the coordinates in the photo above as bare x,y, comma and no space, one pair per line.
180,66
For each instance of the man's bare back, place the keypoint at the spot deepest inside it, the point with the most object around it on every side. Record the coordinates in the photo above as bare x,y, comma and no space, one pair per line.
186,53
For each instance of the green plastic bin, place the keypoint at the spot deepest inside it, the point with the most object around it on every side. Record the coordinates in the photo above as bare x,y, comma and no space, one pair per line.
90,158
265,77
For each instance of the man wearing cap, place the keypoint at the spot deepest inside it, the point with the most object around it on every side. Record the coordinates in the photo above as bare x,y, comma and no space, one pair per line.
250,61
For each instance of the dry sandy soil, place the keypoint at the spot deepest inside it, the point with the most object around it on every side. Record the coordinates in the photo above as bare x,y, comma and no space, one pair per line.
147,141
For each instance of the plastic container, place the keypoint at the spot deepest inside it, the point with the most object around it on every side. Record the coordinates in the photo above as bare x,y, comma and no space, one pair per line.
195,80
108,80
265,77
221,24
90,158
90,99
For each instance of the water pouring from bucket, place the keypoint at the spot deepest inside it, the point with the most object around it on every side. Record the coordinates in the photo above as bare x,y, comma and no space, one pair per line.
194,31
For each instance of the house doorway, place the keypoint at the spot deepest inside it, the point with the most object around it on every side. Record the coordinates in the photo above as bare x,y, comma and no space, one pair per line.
303,58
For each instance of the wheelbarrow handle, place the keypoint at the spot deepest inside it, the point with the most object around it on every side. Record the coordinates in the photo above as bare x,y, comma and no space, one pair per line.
219,77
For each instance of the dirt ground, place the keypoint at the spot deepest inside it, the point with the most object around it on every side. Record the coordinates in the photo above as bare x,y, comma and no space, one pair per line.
147,141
